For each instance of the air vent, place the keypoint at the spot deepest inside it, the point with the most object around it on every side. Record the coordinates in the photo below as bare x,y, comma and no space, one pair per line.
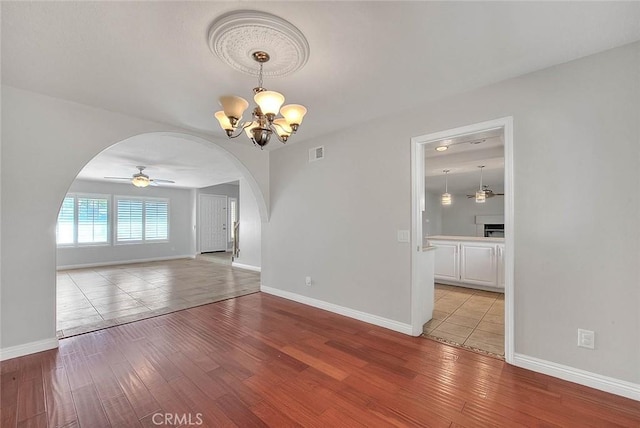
316,153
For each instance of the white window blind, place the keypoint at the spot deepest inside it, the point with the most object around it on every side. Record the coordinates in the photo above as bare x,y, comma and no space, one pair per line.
65,228
129,220
83,220
156,219
93,223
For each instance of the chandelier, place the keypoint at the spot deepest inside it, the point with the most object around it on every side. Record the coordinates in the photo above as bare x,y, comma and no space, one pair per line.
265,121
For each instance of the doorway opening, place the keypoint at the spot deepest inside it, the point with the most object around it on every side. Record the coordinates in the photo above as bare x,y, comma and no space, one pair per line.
463,211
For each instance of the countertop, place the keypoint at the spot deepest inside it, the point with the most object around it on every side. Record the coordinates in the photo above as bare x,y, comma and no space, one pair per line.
465,238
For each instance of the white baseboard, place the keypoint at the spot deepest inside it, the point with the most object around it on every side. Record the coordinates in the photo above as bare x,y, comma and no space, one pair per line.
126,262
347,312
28,348
247,267
582,377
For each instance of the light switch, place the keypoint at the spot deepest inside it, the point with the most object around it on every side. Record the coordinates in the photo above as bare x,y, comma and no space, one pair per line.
403,236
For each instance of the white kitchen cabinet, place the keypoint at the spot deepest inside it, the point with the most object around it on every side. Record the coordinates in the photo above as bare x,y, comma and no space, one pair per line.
446,260
469,261
478,264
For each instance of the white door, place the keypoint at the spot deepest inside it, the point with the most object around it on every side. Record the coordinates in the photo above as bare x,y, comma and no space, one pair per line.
446,261
213,223
478,264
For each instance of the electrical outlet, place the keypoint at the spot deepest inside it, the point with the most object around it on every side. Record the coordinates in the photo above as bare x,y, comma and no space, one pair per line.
307,281
586,339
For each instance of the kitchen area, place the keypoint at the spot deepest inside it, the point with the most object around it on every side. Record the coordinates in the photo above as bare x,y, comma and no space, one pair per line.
464,221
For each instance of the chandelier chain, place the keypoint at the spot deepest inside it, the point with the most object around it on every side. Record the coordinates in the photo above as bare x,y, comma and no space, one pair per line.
260,76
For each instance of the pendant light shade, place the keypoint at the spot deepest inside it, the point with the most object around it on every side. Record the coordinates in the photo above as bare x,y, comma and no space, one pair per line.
224,121
446,196
269,102
481,196
233,107
282,128
293,113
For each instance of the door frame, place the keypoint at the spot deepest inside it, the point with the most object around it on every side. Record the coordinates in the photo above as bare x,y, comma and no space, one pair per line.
418,205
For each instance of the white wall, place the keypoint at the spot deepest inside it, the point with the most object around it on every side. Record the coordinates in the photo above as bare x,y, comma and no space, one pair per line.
54,139
250,231
231,190
180,242
458,219
577,210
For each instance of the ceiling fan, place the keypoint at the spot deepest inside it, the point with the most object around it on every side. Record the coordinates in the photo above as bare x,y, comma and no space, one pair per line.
488,193
140,179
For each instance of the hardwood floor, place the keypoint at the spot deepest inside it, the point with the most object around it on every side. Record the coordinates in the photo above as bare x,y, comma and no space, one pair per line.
259,360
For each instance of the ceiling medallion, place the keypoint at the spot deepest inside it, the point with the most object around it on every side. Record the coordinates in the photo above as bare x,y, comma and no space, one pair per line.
234,37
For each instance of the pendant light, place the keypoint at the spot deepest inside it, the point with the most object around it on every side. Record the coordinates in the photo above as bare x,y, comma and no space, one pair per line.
446,197
481,197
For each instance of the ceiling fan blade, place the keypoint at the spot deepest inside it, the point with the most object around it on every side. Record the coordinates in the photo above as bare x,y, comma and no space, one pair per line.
158,180
152,183
118,178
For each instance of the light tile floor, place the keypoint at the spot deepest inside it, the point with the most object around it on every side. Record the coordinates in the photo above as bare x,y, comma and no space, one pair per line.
468,317
96,298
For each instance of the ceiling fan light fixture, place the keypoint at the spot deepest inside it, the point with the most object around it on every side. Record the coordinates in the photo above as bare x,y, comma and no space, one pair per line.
140,181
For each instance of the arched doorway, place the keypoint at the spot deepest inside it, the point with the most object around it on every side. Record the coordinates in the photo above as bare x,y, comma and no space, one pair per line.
126,253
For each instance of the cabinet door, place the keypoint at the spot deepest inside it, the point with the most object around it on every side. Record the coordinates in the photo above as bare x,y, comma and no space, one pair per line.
446,261
478,264
500,249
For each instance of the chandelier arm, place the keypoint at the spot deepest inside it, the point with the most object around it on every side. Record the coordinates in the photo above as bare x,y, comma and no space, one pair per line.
274,132
238,129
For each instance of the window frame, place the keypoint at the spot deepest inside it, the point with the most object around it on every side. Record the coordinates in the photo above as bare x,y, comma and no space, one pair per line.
75,243
144,200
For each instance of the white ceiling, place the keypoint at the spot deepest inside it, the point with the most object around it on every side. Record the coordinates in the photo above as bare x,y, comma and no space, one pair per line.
465,154
189,164
152,60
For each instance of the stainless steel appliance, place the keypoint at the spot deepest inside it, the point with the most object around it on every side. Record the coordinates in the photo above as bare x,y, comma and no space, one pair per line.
494,230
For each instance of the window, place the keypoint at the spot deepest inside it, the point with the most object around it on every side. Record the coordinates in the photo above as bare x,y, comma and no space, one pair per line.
83,220
129,227
141,220
65,229
156,218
